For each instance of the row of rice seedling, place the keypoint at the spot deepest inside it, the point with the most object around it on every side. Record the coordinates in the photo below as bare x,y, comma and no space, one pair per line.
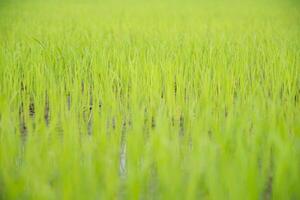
149,100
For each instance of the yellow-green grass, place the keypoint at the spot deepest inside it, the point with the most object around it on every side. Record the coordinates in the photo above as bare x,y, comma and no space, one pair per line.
150,99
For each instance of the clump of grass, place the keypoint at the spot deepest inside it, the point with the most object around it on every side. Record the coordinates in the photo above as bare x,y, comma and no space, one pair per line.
149,100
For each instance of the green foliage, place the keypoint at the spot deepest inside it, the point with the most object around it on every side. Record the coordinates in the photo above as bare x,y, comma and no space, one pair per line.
149,99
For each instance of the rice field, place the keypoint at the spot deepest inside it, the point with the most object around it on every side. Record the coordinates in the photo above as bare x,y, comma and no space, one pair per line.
161,99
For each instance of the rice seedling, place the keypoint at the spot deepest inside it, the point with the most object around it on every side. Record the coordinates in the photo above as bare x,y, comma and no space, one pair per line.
149,99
